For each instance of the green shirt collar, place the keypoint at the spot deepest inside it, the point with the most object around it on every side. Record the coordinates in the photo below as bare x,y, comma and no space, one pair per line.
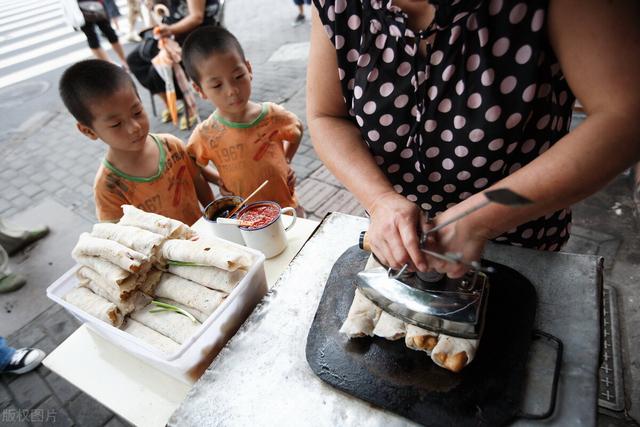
161,165
252,123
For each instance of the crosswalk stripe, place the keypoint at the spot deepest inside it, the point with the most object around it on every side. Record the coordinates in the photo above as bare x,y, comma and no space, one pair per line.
28,14
46,66
34,20
49,35
13,7
44,50
30,30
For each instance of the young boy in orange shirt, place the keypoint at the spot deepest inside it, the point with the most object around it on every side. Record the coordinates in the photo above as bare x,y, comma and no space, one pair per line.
151,172
246,141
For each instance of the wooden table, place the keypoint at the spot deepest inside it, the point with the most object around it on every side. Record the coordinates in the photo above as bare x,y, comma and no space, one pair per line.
137,392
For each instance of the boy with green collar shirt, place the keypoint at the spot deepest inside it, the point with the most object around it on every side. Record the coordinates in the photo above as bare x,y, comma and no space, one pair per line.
151,172
248,142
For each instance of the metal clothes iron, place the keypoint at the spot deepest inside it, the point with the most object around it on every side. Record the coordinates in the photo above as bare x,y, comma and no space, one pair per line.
433,301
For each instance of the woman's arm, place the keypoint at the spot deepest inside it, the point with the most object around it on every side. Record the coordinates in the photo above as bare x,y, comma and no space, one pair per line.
596,43
338,142
186,24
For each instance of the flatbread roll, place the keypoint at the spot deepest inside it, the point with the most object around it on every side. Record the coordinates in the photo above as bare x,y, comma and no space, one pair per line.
389,327
189,293
170,228
95,305
195,313
106,269
211,277
208,253
135,238
111,251
362,317
148,286
420,339
148,335
454,353
115,292
168,323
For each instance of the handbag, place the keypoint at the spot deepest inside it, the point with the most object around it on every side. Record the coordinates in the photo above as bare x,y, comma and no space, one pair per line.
93,11
148,47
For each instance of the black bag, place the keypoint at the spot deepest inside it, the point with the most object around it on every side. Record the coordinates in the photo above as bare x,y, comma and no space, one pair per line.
148,47
93,11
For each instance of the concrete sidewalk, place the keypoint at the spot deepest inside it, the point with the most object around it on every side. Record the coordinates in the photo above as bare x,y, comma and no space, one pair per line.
48,159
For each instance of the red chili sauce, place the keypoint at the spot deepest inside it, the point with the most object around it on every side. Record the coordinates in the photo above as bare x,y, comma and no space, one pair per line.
260,215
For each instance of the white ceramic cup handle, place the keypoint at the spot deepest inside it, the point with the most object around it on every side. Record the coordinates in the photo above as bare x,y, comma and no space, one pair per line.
293,220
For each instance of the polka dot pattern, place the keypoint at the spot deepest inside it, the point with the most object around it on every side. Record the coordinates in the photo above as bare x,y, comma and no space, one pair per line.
487,99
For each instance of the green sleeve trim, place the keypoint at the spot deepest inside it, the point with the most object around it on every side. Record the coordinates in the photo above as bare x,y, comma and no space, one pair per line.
161,165
263,113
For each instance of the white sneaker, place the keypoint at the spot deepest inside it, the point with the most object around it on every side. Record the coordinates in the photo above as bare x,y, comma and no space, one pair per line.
24,360
133,37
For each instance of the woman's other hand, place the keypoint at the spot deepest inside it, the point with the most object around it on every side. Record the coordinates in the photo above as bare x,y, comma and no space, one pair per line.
162,30
393,232
463,236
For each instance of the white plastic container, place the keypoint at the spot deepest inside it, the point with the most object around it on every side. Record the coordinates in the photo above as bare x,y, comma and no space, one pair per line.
195,354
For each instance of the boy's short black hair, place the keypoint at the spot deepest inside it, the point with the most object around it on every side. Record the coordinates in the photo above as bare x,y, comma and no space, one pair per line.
85,81
204,42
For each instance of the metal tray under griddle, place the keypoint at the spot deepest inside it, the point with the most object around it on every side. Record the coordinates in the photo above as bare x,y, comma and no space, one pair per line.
388,374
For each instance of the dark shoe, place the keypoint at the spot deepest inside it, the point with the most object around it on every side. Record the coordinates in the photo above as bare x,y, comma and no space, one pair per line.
12,240
299,20
11,282
24,360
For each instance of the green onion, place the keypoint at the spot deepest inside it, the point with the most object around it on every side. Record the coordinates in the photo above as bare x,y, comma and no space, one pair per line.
168,307
183,263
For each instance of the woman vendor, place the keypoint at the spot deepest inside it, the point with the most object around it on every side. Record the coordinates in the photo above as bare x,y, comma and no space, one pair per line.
421,105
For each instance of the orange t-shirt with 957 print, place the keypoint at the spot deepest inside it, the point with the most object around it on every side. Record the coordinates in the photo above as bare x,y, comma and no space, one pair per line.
170,192
247,154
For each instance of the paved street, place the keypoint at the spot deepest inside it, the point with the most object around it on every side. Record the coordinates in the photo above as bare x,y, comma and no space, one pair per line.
44,159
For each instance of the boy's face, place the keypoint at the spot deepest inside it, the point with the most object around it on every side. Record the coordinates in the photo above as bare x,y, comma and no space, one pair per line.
119,120
225,80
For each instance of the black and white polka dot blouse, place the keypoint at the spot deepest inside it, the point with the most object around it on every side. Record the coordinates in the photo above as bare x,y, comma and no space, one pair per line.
487,99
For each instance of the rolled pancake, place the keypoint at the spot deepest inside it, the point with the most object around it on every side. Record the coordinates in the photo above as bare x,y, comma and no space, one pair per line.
189,293
211,277
389,327
148,335
170,228
454,353
207,253
95,305
195,313
420,339
111,251
135,238
148,286
172,325
362,317
106,269
133,301
115,292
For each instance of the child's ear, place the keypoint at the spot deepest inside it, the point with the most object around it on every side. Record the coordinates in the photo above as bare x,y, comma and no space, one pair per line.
198,90
86,131
248,64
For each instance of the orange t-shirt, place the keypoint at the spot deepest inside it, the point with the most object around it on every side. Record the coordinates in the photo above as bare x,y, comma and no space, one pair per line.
170,192
246,154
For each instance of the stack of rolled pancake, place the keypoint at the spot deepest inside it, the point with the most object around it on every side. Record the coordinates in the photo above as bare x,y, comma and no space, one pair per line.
147,256
367,319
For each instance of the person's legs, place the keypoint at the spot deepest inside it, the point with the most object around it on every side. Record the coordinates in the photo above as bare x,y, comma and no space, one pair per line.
6,353
300,18
111,35
133,14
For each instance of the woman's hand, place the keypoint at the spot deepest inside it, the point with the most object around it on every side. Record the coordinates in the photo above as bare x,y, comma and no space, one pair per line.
463,236
162,31
393,232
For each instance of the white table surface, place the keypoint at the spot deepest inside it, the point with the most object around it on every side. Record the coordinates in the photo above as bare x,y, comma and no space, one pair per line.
137,392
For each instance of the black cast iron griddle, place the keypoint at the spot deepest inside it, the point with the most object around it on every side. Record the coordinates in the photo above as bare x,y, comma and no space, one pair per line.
388,374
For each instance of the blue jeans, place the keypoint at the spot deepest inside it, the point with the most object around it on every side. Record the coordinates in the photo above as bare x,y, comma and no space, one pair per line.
6,353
